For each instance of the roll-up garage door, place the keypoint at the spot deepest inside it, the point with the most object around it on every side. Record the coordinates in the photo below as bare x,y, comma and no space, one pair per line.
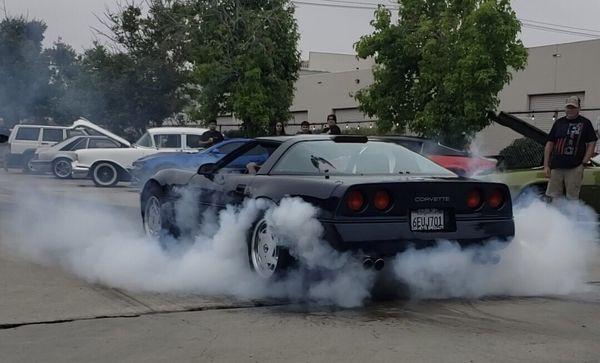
549,102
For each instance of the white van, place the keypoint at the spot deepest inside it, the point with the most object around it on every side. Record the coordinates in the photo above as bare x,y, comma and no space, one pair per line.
24,140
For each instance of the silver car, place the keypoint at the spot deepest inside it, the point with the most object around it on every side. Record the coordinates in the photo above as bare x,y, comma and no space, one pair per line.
59,157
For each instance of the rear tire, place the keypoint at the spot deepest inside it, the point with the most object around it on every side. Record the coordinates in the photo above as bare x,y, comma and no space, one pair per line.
155,218
61,168
105,174
267,258
27,168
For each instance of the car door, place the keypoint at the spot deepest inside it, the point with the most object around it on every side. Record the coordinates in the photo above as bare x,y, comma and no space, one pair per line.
590,187
26,138
230,182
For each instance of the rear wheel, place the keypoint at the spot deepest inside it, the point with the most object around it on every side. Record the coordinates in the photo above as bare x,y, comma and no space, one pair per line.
155,218
268,258
27,167
105,174
61,168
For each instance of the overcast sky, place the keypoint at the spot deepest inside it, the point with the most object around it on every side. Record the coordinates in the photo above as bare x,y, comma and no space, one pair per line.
323,28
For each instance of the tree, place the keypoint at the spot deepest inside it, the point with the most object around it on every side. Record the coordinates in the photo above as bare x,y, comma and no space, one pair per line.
140,80
64,72
246,60
23,70
439,69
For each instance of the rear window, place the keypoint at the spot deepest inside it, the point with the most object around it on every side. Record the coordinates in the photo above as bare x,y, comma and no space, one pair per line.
54,135
68,144
81,144
74,132
167,141
192,141
101,144
28,133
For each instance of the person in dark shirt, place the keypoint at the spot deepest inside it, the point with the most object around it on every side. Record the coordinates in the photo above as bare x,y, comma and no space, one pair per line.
279,129
211,137
332,127
304,128
571,144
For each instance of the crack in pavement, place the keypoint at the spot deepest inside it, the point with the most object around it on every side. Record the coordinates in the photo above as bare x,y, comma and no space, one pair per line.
9,326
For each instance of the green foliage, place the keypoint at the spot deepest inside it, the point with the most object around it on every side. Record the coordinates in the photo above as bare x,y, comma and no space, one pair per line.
440,68
522,153
23,70
246,60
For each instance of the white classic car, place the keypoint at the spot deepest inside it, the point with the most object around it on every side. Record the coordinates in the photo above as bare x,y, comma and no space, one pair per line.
58,158
106,167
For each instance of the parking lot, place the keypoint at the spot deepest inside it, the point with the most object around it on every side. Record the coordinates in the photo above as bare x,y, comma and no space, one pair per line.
49,314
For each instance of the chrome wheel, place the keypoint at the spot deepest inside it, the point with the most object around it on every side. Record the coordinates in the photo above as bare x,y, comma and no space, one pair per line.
153,217
264,252
105,175
62,168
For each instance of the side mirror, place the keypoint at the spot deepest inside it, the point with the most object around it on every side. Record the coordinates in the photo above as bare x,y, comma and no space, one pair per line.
215,151
207,170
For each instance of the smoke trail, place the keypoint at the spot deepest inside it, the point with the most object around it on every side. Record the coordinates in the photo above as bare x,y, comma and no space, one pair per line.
550,254
102,247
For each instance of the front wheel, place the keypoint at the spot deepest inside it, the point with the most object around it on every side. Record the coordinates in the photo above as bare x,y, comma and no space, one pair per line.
61,168
267,257
105,175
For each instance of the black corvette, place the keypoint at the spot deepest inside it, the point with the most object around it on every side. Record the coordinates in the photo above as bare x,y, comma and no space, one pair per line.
375,198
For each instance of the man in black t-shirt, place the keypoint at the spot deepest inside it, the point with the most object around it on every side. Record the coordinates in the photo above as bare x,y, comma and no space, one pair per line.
211,137
570,146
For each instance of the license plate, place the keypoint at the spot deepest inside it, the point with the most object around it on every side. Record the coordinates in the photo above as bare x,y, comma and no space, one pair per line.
427,220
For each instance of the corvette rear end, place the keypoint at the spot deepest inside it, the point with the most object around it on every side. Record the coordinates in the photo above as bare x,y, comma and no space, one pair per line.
387,218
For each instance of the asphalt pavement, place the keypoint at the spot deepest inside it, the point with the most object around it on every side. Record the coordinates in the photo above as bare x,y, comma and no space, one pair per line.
48,314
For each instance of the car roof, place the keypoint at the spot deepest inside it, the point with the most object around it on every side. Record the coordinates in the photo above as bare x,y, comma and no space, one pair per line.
178,130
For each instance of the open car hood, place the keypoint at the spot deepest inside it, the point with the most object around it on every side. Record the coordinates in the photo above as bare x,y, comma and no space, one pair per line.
522,127
85,123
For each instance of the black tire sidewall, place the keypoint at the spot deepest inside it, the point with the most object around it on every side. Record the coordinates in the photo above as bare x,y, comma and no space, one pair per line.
105,164
54,168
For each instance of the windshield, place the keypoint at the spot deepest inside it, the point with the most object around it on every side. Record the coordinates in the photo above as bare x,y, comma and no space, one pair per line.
145,140
370,158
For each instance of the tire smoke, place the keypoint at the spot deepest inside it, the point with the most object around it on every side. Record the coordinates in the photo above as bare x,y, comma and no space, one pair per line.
550,254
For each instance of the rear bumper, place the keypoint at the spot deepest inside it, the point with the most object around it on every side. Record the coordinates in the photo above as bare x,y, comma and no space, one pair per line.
79,171
388,238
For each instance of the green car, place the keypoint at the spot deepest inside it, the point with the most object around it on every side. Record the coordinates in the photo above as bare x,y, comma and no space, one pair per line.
524,173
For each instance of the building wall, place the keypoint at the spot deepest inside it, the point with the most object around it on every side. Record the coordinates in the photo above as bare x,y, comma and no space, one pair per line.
329,82
564,69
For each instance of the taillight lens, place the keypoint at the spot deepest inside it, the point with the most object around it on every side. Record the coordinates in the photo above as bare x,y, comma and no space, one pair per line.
355,201
496,199
382,200
474,199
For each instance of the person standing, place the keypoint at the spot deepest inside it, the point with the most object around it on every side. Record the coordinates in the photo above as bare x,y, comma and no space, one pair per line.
211,137
304,128
332,127
279,129
571,144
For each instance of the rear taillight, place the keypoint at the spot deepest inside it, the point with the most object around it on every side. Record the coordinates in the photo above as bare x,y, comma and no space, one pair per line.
382,200
496,199
474,199
355,201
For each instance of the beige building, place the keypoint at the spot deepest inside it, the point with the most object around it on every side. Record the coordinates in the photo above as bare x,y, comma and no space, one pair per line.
328,83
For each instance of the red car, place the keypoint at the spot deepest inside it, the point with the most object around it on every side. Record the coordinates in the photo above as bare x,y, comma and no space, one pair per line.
462,163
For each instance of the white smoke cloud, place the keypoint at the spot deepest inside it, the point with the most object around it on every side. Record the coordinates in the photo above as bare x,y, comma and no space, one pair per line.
103,247
550,254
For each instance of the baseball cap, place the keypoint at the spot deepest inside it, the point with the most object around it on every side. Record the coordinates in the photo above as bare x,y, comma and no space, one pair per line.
572,101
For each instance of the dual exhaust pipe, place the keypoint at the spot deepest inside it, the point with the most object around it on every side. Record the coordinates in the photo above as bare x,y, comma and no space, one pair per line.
375,263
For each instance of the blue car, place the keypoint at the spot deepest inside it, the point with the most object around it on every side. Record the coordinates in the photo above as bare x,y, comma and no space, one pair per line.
147,166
